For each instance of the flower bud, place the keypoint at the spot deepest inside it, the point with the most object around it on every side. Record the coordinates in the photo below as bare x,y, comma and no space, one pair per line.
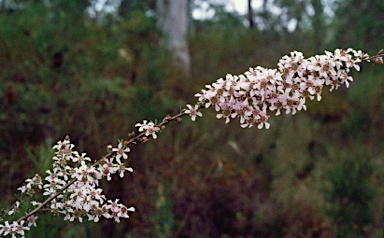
378,60
132,134
167,119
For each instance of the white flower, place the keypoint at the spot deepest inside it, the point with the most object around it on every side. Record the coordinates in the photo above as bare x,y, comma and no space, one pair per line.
121,152
142,126
85,174
113,206
80,158
107,170
97,213
64,150
121,169
55,175
32,220
18,228
118,210
148,128
15,209
193,112
95,195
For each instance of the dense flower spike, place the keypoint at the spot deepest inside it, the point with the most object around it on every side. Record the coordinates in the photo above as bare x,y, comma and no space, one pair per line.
252,95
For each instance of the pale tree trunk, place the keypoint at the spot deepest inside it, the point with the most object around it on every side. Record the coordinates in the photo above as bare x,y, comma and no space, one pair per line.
173,22
3,4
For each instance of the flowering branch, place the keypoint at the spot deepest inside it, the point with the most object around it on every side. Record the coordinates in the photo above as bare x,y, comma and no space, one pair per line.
376,59
252,95
108,156
72,186
65,149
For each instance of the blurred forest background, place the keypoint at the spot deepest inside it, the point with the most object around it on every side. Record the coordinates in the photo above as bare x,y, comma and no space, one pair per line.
72,67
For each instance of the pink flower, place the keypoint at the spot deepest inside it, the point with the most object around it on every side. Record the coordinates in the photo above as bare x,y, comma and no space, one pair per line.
148,128
121,152
32,220
121,169
193,112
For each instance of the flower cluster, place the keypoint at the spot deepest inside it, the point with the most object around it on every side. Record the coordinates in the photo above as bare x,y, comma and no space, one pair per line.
250,96
84,197
13,229
31,184
76,183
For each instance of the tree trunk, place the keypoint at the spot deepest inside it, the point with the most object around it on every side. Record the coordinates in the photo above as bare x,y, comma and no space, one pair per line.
250,15
173,22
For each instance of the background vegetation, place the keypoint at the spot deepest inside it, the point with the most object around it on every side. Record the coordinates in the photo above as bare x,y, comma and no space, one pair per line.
66,68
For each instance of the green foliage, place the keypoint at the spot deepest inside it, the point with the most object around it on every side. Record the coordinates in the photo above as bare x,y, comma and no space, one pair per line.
317,174
351,193
42,160
163,216
366,31
54,226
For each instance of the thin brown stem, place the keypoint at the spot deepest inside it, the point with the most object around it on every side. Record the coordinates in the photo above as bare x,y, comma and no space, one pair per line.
374,57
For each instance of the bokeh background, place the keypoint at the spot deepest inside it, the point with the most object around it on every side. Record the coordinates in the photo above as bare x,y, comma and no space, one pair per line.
92,69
